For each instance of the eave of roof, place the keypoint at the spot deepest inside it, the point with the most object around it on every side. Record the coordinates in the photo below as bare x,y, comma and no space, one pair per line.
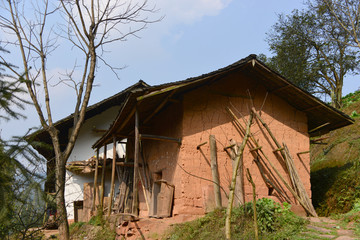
317,111
63,125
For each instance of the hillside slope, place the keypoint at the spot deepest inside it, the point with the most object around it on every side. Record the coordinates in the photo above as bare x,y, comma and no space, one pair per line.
335,165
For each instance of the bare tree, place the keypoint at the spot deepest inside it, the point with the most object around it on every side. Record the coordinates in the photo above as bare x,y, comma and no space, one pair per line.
88,25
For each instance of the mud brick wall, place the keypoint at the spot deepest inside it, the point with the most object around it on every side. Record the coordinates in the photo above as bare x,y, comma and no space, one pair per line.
204,114
201,113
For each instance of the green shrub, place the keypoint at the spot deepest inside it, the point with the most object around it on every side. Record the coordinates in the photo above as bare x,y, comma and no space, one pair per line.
276,221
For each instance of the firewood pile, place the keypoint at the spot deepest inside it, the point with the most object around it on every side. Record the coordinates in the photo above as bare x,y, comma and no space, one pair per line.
86,166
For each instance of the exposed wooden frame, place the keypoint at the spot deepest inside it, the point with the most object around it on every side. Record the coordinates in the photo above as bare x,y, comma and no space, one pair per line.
160,138
112,177
214,171
311,108
103,178
319,127
160,106
136,164
93,206
280,88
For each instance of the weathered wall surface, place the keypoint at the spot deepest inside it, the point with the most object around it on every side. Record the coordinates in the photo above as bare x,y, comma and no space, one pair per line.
162,156
204,114
74,188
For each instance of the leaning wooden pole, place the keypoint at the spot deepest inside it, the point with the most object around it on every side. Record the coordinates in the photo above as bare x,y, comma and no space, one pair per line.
93,207
302,195
136,165
249,178
102,194
233,179
214,171
112,177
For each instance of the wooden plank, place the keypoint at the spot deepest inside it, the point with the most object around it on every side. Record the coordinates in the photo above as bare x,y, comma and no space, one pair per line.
93,207
214,170
136,165
165,200
112,177
103,172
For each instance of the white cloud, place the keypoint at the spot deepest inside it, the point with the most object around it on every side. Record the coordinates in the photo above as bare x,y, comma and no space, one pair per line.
188,11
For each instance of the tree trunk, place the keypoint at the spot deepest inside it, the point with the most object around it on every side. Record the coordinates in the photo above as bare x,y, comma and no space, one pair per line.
336,97
60,198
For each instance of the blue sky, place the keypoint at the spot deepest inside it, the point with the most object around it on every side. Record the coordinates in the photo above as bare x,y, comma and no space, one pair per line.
195,37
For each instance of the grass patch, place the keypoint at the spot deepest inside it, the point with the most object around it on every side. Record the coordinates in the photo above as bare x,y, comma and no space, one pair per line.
335,167
275,222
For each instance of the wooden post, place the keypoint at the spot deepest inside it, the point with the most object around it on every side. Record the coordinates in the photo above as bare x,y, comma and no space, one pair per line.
214,171
249,178
136,165
239,155
93,207
112,177
103,179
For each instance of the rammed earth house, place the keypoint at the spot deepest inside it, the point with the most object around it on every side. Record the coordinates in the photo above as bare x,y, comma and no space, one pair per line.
180,141
168,128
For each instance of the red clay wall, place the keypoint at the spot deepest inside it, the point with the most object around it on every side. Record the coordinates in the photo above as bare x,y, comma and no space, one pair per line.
204,114
161,156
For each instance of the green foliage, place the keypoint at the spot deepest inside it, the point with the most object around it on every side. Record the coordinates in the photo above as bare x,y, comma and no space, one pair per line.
97,220
270,214
335,167
312,50
351,98
275,221
76,226
22,201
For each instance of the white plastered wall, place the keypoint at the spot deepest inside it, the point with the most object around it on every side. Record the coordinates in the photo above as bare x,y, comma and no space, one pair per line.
74,185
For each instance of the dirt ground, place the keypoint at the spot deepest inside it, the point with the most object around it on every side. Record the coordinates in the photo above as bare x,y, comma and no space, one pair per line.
151,228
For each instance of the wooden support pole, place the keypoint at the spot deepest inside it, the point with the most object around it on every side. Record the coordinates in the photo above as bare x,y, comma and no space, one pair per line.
252,138
136,165
278,149
302,197
319,139
230,146
112,177
103,179
238,157
249,178
255,149
253,143
214,171
317,128
299,153
201,144
93,207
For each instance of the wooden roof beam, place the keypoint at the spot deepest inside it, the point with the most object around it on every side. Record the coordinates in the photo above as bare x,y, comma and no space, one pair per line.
280,88
317,128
